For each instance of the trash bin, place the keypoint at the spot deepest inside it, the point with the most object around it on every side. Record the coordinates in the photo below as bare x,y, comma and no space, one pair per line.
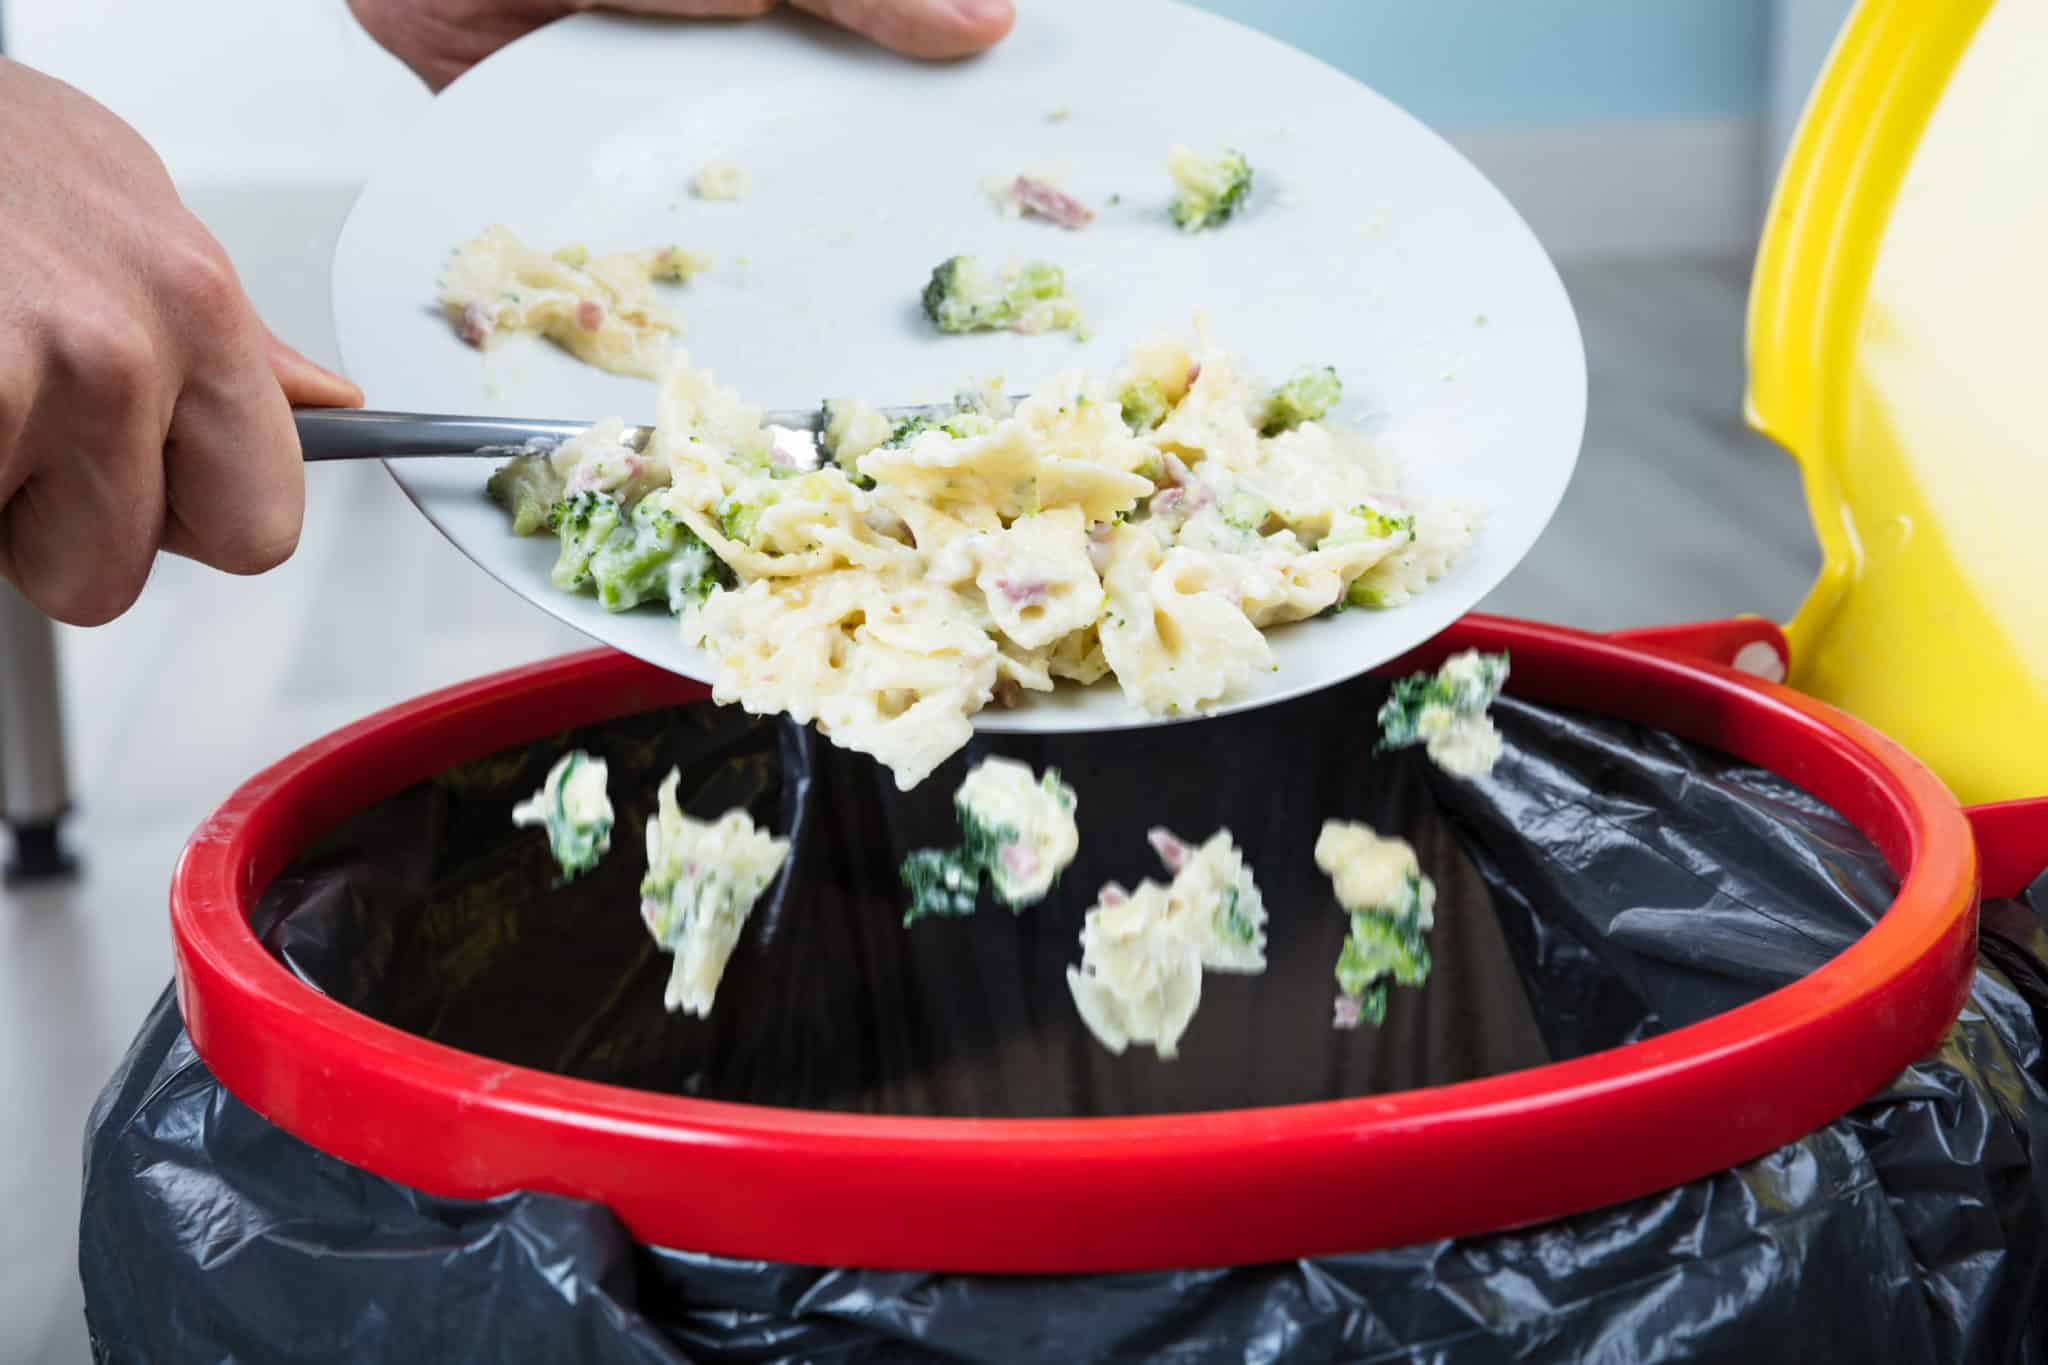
1689,1076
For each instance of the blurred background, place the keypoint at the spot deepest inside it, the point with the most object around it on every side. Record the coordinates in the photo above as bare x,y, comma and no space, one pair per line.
1638,139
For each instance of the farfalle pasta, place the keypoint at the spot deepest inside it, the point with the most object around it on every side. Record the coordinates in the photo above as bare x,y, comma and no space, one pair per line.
1148,526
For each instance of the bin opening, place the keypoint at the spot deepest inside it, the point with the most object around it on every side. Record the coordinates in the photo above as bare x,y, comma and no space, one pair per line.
1607,883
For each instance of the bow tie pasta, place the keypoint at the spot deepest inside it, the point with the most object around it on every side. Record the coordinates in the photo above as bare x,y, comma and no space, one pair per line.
886,581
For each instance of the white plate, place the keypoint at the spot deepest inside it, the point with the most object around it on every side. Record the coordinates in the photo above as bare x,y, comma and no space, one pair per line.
1368,244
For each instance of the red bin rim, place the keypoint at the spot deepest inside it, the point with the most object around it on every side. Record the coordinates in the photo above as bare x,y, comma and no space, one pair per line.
1086,1195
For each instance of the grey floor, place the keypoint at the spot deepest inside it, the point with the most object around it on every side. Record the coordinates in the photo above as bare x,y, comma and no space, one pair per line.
1677,513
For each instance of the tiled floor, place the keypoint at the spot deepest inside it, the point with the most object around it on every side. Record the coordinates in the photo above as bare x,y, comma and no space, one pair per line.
1677,513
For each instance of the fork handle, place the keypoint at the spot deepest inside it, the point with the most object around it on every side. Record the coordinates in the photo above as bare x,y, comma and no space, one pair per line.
359,434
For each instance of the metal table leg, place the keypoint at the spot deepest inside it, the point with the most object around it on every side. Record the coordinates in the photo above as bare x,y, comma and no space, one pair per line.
34,794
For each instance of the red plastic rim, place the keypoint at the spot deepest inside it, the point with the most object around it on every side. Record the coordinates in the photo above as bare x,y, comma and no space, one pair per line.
1090,1195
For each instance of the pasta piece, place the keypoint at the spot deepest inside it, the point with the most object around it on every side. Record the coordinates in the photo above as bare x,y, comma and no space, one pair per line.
1008,471
1037,579
1172,634
602,311
1215,901
701,885
892,670
1140,977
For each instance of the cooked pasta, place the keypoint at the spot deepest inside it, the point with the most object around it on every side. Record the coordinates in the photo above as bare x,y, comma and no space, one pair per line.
1149,525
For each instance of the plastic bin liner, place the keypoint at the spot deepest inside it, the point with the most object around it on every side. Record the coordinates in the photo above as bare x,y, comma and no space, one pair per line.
1606,883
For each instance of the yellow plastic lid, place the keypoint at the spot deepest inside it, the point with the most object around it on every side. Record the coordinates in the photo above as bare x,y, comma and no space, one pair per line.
1896,349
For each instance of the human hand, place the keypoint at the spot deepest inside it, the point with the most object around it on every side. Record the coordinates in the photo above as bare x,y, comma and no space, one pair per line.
441,39
143,405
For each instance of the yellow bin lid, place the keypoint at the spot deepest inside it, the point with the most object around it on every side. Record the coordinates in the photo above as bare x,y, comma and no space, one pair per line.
1896,349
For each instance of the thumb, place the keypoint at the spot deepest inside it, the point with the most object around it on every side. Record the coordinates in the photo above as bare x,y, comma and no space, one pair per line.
307,385
921,28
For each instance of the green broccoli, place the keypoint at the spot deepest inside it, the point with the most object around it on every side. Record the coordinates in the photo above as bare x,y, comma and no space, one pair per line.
739,516
1144,405
963,425
940,882
962,296
997,849
1462,689
631,566
847,430
653,557
1384,947
1210,192
908,430
526,487
573,808
1236,924
1246,511
1304,398
694,573
1385,525
583,522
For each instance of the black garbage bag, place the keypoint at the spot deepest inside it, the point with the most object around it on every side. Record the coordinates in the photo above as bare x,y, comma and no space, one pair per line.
1608,883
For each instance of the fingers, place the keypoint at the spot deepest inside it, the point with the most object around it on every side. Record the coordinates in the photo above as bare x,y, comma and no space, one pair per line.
79,533
917,28
307,385
695,9
234,481
935,29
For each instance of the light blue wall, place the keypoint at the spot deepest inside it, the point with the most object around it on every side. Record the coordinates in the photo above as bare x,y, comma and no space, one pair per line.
1463,64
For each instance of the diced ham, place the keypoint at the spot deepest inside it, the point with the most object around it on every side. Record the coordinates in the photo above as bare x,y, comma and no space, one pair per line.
1349,1012
1114,894
1023,591
475,326
1173,851
1020,862
1007,692
1049,201
589,314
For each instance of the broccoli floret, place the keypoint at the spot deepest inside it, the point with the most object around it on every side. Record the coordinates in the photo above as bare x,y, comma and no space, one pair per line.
1210,192
1021,878
653,558
962,296
694,574
1037,281
965,424
907,431
526,487
1464,687
573,808
981,845
1384,948
847,430
940,882
1236,924
583,523
1245,511
1385,525
1304,398
739,516
1144,405
632,565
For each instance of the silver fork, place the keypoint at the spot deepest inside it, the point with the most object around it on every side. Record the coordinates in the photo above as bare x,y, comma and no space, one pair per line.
360,434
